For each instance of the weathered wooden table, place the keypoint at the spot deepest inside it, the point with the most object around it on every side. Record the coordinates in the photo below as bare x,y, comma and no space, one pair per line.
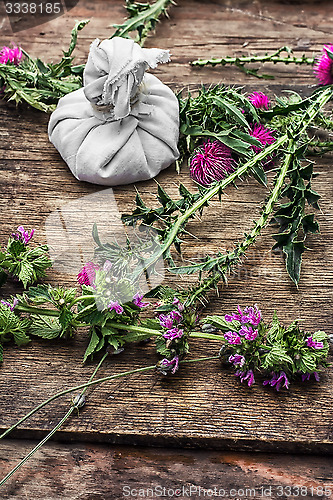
144,432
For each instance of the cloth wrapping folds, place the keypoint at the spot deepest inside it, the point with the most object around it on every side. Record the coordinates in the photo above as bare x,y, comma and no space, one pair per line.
123,125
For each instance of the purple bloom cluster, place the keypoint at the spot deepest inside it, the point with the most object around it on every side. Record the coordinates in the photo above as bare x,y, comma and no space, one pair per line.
137,300
237,360
314,343
8,304
8,55
250,315
246,376
22,235
172,321
306,376
115,306
278,380
165,365
259,100
232,338
87,274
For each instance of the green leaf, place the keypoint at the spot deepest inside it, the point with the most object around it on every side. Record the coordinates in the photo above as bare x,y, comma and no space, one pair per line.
294,251
94,340
20,338
309,224
221,323
259,174
231,110
45,327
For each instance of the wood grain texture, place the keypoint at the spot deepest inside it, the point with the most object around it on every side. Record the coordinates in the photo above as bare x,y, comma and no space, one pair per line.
202,406
98,472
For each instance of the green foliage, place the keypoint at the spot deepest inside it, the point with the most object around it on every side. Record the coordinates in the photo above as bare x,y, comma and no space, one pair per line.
25,263
294,224
276,349
215,113
12,328
39,84
142,18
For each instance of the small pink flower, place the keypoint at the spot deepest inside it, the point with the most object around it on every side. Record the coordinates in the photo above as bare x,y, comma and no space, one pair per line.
212,162
23,235
259,100
115,306
314,343
323,69
137,300
8,55
87,274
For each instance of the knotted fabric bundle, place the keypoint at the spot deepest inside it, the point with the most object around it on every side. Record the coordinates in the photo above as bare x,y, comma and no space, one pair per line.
123,125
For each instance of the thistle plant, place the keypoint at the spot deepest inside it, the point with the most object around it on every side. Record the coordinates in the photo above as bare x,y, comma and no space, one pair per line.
242,61
24,79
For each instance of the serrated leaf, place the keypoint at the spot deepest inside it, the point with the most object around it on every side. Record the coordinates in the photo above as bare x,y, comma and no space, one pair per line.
20,338
94,340
45,327
309,224
231,110
294,251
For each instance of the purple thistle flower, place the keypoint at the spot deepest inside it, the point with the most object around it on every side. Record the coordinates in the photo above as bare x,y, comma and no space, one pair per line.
306,376
22,235
211,162
165,366
263,135
137,300
232,338
87,274
323,69
249,376
165,321
259,100
173,333
314,343
8,55
277,380
8,304
115,306
237,360
176,316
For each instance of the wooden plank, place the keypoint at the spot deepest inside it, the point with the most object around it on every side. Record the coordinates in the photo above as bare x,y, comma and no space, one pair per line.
98,472
202,405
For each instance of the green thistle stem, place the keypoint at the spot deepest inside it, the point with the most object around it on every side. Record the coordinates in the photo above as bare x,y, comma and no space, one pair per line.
181,221
274,58
36,310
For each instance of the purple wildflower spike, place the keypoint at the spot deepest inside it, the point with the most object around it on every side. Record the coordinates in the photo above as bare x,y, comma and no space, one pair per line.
211,162
232,338
323,69
259,100
137,300
87,274
115,306
246,376
248,332
307,376
176,316
8,304
237,360
22,235
173,333
8,55
165,365
165,321
314,343
278,380
176,302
